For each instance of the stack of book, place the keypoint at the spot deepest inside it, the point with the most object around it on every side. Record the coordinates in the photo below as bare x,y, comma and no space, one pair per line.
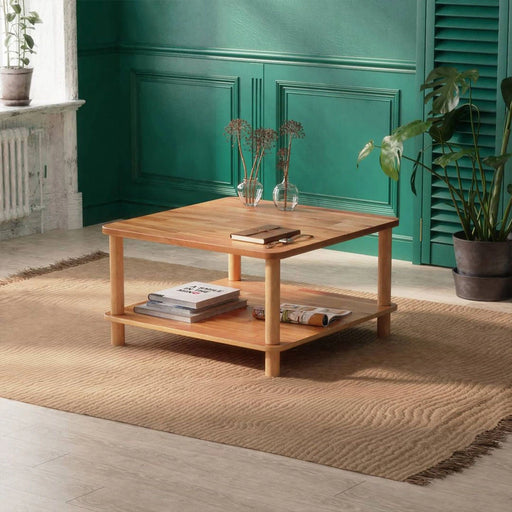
192,302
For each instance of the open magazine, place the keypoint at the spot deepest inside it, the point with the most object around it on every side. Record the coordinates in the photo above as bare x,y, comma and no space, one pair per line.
302,314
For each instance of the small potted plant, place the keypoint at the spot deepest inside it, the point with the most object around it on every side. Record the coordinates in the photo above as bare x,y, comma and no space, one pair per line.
259,141
483,248
16,75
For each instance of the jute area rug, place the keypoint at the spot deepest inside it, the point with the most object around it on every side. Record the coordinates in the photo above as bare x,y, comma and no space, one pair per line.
416,406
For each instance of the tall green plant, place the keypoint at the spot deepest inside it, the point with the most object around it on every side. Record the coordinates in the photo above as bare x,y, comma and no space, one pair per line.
18,42
478,205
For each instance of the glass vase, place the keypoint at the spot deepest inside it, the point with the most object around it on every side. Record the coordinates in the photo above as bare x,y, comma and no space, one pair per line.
250,192
286,196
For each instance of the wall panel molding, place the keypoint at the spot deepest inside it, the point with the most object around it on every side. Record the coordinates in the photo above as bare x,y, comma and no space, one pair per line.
373,64
336,61
99,49
391,97
147,176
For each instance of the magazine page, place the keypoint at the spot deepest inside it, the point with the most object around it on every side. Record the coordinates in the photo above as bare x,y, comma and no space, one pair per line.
303,314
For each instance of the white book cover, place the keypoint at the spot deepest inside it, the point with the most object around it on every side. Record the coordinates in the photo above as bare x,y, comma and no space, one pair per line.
195,294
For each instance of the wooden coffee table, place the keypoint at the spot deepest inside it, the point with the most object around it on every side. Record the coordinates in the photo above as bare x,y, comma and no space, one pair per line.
208,225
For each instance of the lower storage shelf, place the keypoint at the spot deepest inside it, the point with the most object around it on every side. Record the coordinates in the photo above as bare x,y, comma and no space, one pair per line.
240,329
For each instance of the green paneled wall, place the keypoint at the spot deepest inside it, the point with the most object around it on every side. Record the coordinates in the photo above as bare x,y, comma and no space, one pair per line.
153,139
98,120
162,78
362,29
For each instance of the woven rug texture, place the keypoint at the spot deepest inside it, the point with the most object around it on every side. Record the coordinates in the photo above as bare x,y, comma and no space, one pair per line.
414,406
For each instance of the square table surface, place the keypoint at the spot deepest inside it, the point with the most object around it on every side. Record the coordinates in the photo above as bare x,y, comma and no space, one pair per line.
208,226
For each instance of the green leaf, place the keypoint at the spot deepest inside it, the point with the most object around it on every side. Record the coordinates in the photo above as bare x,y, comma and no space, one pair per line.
509,188
414,172
16,7
412,129
368,148
34,18
496,161
447,85
444,127
506,90
25,61
448,158
29,40
390,155
10,16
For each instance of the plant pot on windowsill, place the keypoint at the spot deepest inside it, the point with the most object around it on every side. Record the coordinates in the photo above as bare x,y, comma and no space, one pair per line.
15,86
18,47
484,269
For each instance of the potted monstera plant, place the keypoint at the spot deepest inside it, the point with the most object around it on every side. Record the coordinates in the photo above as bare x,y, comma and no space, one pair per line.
474,180
15,74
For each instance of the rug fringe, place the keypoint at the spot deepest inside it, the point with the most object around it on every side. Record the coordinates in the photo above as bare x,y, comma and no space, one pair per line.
483,444
59,265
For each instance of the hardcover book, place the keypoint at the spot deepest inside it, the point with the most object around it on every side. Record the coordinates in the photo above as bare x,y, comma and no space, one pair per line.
264,234
195,295
191,315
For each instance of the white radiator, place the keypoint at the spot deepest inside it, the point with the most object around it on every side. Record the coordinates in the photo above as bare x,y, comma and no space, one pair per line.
14,174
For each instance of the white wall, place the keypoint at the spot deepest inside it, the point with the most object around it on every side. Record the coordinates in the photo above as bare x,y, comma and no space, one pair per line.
51,117
49,63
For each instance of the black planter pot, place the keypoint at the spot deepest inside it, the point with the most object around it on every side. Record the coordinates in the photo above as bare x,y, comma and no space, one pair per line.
484,269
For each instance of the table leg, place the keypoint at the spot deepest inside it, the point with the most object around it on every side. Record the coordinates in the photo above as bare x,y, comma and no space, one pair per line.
272,315
116,288
384,282
234,267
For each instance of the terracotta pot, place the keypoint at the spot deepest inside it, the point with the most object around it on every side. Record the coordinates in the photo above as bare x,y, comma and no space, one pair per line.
15,86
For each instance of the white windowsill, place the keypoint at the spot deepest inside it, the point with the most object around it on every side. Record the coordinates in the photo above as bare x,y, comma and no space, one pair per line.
37,107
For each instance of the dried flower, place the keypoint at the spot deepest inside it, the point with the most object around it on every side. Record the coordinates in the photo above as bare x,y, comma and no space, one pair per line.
293,129
235,131
259,141
289,130
262,139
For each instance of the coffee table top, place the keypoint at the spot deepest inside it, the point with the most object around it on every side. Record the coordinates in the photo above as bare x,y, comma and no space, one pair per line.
208,225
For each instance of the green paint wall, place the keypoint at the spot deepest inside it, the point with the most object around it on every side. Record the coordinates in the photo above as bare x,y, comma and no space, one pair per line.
98,24
163,77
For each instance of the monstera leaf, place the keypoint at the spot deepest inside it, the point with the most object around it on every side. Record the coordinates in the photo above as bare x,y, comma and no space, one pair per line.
410,130
506,90
368,148
444,127
390,156
448,158
496,161
447,85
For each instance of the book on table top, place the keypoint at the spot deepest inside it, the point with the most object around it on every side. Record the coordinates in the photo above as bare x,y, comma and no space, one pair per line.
191,315
264,234
195,295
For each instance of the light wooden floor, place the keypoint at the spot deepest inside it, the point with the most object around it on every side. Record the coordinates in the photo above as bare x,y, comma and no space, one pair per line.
55,461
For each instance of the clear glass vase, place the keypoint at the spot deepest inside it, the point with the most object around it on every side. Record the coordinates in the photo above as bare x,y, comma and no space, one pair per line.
250,192
286,196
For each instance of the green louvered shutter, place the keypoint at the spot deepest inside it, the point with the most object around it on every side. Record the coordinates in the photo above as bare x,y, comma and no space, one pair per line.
466,36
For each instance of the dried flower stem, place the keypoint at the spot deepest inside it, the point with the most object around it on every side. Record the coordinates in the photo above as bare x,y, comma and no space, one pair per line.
259,141
290,130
